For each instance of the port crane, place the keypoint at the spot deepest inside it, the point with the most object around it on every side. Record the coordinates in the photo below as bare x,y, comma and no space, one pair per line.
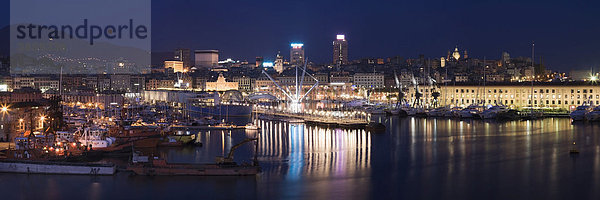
229,159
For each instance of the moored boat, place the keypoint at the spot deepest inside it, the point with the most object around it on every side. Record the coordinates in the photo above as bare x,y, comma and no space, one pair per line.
579,113
493,112
594,115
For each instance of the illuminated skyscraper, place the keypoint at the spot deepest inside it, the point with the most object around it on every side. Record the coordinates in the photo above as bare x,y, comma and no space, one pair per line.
297,54
340,50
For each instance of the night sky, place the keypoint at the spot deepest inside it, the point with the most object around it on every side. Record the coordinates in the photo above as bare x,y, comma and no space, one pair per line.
566,33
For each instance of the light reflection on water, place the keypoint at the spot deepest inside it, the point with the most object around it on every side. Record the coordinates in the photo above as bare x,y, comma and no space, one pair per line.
413,158
312,151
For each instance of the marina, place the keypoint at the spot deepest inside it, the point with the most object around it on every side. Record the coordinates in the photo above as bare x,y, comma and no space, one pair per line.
298,161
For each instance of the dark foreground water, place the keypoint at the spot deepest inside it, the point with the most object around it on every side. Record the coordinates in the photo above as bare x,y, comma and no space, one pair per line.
414,159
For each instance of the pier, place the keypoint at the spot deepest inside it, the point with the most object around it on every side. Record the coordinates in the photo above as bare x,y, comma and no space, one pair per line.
318,120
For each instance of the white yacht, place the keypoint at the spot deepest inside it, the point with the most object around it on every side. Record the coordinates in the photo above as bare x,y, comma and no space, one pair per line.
454,112
438,112
251,126
469,112
373,110
493,111
580,113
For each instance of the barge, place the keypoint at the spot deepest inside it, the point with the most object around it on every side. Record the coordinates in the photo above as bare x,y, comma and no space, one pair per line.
160,167
45,167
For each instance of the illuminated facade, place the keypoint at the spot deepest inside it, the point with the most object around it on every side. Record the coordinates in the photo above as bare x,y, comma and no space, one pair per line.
369,80
340,50
221,85
176,65
456,54
548,95
278,65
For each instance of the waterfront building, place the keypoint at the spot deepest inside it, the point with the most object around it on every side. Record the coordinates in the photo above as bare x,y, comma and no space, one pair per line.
340,50
566,96
369,80
340,78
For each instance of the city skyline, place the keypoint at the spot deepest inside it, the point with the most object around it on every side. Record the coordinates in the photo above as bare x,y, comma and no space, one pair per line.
151,99
254,29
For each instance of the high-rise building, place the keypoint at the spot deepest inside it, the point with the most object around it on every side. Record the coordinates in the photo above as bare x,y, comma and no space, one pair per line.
297,54
278,63
340,50
183,55
206,58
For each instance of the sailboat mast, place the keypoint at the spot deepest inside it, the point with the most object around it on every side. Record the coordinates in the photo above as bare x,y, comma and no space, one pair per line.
484,79
533,72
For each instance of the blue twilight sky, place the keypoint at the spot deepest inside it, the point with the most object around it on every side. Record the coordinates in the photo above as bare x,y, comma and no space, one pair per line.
566,33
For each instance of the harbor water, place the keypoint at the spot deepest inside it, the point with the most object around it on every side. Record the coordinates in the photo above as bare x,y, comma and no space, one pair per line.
415,158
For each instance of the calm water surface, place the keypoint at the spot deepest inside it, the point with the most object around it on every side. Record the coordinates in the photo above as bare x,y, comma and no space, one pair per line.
414,159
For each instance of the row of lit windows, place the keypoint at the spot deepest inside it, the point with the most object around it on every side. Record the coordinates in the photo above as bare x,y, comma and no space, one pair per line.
585,96
525,91
535,102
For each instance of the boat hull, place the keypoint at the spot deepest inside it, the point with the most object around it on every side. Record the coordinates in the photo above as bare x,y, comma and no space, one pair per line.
39,167
204,170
